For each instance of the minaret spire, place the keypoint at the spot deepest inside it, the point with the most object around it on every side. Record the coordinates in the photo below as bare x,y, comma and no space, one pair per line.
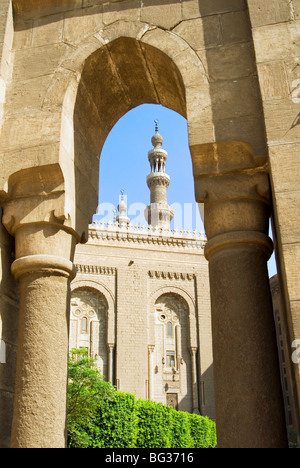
158,213
122,218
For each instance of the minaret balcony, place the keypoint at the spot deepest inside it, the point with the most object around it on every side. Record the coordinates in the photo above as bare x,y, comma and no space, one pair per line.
158,178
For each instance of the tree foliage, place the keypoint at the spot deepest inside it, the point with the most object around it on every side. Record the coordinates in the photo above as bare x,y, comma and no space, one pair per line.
86,392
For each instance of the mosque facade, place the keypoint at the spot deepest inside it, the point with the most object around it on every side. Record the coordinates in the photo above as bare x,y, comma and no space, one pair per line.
141,303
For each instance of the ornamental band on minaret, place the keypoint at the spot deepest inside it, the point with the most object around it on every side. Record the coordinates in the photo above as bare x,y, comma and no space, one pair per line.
158,213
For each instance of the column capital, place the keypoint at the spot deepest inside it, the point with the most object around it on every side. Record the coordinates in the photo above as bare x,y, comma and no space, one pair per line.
234,186
34,213
37,196
229,170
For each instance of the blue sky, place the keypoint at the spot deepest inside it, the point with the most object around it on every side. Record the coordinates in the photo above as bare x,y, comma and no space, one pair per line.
124,165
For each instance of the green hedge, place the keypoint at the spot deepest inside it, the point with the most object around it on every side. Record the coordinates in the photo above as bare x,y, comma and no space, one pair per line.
115,423
125,422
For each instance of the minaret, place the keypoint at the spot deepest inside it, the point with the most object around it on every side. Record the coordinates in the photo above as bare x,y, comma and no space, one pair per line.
158,213
122,219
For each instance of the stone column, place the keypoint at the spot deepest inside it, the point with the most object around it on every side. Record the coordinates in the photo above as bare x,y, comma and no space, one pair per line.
194,380
234,187
150,370
44,249
111,348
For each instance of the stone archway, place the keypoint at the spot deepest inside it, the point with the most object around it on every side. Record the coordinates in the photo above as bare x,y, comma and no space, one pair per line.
51,152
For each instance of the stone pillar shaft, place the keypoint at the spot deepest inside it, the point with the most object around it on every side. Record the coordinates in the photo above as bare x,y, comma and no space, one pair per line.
194,380
39,418
234,187
150,370
111,348
249,407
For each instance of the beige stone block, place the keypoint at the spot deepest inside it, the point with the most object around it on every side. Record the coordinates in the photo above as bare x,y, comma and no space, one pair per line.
285,166
27,95
191,70
116,30
77,27
23,36
58,85
190,9
200,132
38,61
38,155
170,44
32,9
235,27
235,98
263,12
288,208
282,121
45,32
200,33
230,61
128,10
291,255
248,128
161,13
273,81
276,42
198,105
209,7
31,130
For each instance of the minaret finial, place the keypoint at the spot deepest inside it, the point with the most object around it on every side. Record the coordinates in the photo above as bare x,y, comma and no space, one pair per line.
156,121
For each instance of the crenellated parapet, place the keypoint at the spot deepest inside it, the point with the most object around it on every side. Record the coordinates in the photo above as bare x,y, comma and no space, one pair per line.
127,233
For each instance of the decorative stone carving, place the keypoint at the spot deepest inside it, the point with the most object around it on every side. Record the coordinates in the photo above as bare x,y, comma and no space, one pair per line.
171,275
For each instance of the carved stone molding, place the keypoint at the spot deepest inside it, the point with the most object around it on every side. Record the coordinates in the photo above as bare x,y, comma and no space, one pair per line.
222,241
95,270
50,264
155,178
171,275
